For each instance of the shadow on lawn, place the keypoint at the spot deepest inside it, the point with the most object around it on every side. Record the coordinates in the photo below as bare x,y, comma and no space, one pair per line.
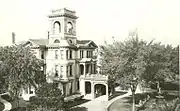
78,109
71,104
117,93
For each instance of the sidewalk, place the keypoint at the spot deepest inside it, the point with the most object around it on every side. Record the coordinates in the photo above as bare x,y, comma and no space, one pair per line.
7,104
98,104
116,98
95,104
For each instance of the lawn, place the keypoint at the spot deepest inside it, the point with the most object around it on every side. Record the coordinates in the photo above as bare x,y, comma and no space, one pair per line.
170,91
1,106
125,104
117,93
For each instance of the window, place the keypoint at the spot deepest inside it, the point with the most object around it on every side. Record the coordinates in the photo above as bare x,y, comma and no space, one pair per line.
61,53
67,54
42,54
77,85
81,53
67,70
87,68
91,68
91,53
56,70
57,27
94,68
70,41
87,54
70,70
69,28
61,70
56,54
70,84
70,54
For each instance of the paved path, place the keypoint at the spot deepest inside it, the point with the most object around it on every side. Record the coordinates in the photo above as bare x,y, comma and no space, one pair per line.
95,104
99,105
7,104
116,98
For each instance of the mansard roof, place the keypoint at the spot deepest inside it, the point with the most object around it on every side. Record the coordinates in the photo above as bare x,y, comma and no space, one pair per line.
83,41
45,43
40,41
86,44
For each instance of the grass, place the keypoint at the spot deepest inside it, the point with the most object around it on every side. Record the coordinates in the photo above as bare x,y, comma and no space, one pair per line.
1,106
7,98
117,93
125,104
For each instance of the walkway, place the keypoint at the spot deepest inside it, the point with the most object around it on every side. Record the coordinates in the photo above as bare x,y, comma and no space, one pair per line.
7,104
116,98
98,104
95,104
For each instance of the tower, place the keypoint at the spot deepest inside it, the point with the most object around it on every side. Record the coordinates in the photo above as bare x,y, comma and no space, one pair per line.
62,26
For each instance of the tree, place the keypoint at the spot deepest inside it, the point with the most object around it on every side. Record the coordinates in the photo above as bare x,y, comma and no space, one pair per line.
19,67
134,58
162,64
122,61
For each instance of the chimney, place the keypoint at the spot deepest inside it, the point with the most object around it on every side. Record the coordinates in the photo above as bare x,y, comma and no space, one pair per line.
48,34
13,37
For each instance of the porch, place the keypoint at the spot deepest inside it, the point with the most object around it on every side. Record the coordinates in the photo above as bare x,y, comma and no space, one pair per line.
93,86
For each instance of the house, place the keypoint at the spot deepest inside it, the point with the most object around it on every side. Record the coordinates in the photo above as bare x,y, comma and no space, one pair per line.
68,62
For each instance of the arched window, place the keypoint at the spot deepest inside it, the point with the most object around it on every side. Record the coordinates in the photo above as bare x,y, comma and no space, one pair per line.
57,27
70,41
56,41
69,27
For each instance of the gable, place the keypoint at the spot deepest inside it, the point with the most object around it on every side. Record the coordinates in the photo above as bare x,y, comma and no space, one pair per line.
92,44
30,44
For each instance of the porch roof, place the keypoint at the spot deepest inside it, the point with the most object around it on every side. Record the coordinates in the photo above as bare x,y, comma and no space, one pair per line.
87,60
95,77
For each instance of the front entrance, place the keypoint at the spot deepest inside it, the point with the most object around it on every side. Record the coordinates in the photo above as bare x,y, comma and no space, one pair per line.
87,87
100,90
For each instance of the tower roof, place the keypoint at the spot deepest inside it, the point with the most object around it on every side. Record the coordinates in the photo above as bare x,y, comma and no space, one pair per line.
64,12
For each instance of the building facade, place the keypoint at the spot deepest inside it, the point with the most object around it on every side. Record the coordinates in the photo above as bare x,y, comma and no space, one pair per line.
68,62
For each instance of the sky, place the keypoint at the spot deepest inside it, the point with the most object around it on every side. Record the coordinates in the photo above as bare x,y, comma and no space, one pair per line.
99,20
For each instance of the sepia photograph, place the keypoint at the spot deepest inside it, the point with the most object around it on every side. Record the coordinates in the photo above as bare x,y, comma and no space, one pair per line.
89,55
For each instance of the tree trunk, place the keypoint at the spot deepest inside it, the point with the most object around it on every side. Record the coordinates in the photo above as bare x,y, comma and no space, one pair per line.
133,102
158,88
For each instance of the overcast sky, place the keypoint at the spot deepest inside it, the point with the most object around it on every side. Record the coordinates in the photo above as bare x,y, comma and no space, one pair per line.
98,20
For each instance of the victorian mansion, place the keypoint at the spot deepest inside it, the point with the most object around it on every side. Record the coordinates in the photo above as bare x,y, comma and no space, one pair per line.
68,61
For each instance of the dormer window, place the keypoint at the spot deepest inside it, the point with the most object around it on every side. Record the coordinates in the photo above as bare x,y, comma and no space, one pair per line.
70,41
56,41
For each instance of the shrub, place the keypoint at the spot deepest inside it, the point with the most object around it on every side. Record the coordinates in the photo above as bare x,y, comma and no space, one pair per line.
49,98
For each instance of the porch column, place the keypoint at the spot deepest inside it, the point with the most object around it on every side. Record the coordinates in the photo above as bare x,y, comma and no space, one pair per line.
89,70
84,68
92,90
107,92
82,86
